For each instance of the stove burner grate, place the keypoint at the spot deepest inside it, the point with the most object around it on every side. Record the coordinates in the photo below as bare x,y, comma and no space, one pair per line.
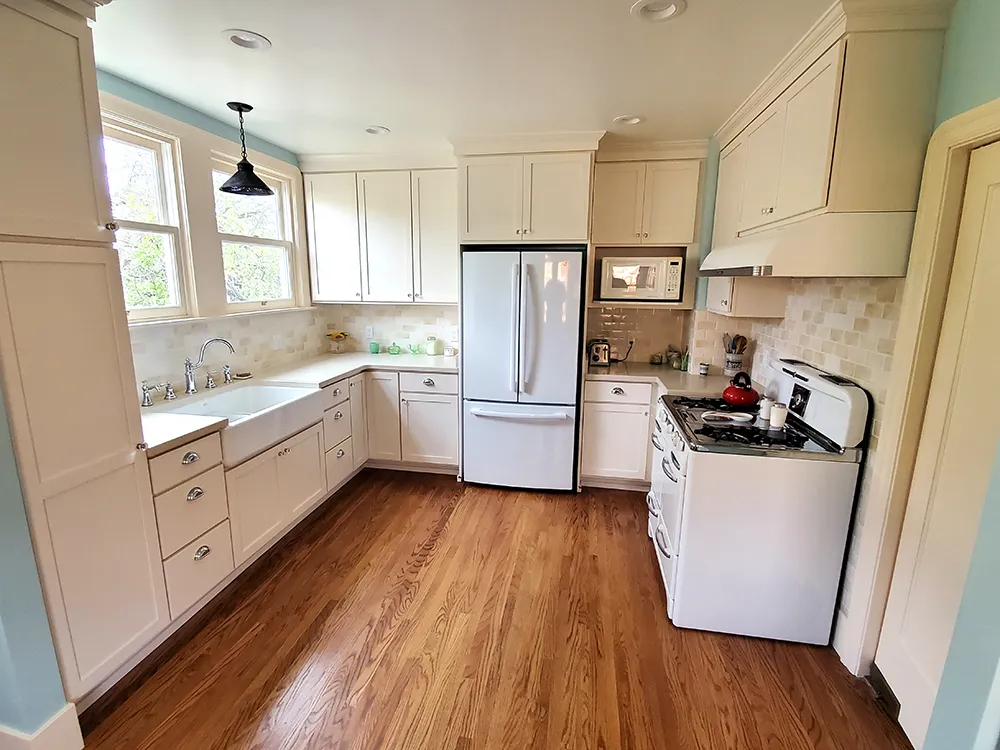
788,437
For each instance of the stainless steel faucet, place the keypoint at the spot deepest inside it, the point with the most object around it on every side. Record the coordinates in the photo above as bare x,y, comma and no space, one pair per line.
190,367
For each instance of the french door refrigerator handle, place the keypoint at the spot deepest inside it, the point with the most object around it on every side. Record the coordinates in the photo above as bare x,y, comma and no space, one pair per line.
515,273
558,416
523,368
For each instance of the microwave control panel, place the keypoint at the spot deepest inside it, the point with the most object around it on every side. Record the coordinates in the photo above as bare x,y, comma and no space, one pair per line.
675,279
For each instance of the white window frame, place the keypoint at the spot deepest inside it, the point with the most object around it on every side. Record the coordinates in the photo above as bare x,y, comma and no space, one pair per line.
282,190
167,150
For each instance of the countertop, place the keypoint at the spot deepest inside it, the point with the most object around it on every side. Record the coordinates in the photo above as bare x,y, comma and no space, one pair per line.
322,371
675,382
163,431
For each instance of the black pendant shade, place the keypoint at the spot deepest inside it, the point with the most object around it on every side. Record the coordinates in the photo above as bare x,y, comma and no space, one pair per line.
244,181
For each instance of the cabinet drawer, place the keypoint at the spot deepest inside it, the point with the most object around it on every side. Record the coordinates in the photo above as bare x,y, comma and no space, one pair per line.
617,393
184,463
429,382
337,424
191,509
339,463
336,393
198,568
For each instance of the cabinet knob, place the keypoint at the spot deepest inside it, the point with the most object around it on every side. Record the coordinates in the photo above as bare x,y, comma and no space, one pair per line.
340,453
336,391
517,231
637,234
645,234
338,415
617,392
428,381
409,296
725,303
357,294
195,493
203,552
142,446
112,226
190,458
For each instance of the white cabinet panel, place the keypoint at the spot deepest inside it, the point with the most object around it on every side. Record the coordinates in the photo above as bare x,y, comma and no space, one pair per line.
301,472
256,513
198,568
386,236
435,235
339,463
334,242
490,194
191,509
382,407
760,187
729,196
615,441
337,424
720,294
670,204
359,420
618,202
748,297
556,197
490,321
429,428
54,183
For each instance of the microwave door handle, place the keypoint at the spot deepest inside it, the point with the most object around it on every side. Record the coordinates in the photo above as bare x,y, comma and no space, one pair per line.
515,272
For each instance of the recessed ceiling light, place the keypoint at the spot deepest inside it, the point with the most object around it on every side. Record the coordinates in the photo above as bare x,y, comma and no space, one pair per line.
658,10
377,130
247,39
628,119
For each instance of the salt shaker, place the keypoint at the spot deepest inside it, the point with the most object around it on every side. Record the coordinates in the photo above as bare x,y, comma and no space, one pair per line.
765,408
779,413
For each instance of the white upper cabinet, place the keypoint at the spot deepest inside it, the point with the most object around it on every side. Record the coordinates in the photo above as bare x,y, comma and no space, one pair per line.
53,169
533,197
740,297
729,200
760,186
386,236
434,193
556,197
646,203
334,249
490,189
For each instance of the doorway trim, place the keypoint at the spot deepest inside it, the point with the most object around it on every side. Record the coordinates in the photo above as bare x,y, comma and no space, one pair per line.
932,255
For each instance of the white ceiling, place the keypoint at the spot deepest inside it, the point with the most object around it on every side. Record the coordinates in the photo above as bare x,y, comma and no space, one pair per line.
434,69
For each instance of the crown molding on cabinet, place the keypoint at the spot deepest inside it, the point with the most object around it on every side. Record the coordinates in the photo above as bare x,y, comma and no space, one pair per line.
843,17
85,8
529,143
317,163
653,151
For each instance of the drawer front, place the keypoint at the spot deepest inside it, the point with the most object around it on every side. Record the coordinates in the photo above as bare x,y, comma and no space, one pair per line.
339,463
185,463
337,424
428,382
189,510
198,568
337,393
613,392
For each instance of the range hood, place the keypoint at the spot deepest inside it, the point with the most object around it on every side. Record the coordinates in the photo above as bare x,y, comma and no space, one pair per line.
829,245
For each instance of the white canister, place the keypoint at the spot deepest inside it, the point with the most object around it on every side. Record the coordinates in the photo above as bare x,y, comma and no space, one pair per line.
765,408
435,346
779,414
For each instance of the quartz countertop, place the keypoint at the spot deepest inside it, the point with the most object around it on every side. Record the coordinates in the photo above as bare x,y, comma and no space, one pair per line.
675,382
322,371
163,431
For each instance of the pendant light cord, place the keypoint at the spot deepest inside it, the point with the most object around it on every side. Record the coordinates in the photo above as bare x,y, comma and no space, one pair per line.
243,138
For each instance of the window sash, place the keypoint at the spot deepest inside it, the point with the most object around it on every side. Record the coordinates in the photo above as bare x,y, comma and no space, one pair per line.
271,304
180,310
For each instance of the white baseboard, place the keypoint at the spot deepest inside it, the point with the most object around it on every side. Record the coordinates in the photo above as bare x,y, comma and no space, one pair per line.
608,483
61,732
407,466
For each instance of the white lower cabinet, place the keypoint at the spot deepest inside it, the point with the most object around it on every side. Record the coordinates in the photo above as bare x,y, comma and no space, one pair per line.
198,568
270,491
382,407
429,428
339,463
615,441
359,421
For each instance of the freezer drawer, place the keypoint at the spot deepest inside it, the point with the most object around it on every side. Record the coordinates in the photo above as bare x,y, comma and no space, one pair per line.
519,445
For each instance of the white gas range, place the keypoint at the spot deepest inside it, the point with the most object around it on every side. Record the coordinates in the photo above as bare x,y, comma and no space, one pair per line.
750,524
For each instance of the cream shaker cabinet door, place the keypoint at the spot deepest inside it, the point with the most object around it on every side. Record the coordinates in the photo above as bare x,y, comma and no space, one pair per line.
670,206
760,187
301,472
382,407
386,236
434,194
729,196
720,294
53,169
490,198
256,513
556,197
615,441
618,199
429,428
334,244
359,420
811,106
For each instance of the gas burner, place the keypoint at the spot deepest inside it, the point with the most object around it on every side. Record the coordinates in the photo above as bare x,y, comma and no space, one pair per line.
715,404
788,438
727,417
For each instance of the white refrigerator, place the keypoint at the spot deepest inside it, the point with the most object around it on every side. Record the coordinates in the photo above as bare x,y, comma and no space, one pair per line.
521,365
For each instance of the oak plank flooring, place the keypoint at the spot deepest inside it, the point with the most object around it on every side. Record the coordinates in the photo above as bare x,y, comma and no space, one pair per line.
415,612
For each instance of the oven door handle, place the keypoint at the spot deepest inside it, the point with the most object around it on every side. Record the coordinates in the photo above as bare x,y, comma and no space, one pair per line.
662,543
651,506
674,461
666,470
656,442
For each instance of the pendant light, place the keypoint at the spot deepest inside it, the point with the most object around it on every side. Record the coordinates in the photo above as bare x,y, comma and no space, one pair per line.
244,182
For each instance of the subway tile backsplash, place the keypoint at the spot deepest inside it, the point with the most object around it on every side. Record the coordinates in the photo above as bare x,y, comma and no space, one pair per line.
652,330
402,324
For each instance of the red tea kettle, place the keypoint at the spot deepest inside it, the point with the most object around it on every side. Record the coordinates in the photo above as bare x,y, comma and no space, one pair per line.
740,392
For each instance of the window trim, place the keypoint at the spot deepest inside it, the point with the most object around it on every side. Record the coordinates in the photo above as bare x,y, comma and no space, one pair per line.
167,150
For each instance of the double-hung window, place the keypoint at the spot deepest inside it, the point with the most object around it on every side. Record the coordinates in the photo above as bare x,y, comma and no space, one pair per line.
256,249
144,202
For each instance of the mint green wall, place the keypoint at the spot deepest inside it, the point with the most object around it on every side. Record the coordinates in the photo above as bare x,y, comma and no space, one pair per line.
30,687
707,218
971,74
137,94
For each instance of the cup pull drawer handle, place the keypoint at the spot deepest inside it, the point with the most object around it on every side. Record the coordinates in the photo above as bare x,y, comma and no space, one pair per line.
195,493
428,381
340,453
338,415
336,391
190,458
617,391
203,552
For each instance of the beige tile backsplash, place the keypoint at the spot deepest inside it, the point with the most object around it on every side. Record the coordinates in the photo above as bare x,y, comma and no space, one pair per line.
705,340
652,330
403,324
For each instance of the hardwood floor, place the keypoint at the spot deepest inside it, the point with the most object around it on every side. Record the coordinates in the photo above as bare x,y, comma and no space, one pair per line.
418,613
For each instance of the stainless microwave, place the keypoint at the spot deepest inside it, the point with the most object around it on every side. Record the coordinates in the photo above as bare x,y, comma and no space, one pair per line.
642,279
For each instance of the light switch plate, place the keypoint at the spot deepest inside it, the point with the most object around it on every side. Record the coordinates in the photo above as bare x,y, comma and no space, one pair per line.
369,333
453,337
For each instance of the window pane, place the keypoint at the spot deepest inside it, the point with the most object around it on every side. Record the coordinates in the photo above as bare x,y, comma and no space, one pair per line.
149,269
247,215
133,178
256,272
